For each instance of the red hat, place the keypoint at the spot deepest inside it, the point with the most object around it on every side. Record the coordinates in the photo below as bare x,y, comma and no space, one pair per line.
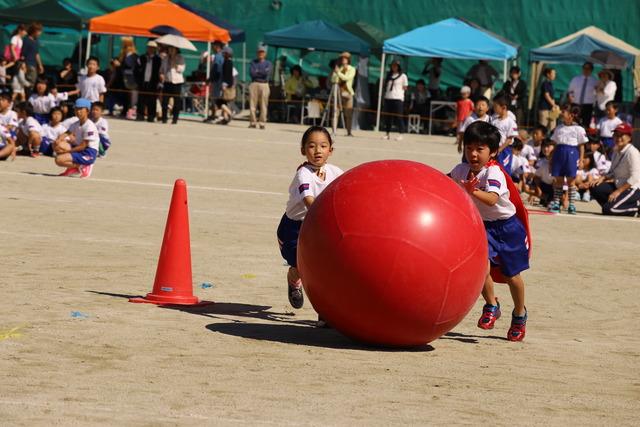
624,129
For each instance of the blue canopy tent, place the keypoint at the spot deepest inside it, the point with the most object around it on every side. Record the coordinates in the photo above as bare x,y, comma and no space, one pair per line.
317,35
452,38
577,48
237,35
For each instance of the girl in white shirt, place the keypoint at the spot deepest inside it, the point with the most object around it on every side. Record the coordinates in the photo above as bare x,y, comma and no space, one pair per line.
587,173
605,92
396,84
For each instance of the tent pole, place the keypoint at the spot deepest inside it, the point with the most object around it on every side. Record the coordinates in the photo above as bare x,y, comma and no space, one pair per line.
80,51
207,86
88,47
244,74
384,57
504,71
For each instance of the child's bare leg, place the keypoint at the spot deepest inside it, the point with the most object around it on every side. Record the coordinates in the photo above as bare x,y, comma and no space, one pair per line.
34,142
65,160
60,147
487,290
516,287
8,151
292,275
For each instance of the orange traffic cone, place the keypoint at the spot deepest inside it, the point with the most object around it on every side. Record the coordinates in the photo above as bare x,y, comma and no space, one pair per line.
173,284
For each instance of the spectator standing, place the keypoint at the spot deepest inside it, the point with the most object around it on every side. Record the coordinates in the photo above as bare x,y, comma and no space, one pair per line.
433,69
172,78
344,74
547,108
420,99
128,61
582,91
485,74
396,84
92,86
31,52
259,91
516,92
19,83
67,76
148,78
13,51
605,91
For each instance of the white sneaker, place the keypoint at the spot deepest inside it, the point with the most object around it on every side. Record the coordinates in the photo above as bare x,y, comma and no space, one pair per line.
386,137
399,138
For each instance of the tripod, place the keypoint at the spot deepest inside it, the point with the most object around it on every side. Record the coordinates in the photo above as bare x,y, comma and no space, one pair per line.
334,107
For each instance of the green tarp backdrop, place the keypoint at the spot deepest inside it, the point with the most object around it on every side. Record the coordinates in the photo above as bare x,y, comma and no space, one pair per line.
529,23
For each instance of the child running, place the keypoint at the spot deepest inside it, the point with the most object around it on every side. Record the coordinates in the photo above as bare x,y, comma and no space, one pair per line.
51,132
312,177
569,138
77,149
488,187
103,127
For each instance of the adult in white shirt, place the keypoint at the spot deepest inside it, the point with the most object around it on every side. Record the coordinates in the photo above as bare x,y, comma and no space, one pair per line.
582,91
396,84
172,78
605,92
618,192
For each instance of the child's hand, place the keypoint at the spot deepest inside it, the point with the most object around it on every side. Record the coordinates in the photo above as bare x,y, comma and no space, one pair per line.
471,185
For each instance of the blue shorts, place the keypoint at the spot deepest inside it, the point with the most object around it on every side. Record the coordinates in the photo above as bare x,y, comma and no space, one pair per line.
85,157
505,158
508,247
607,142
43,119
565,161
105,142
46,147
288,232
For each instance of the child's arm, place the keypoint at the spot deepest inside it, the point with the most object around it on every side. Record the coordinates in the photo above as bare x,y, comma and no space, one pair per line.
506,144
489,199
308,201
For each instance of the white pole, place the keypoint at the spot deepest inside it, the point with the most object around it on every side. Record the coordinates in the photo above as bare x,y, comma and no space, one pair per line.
504,71
244,74
208,84
382,60
88,47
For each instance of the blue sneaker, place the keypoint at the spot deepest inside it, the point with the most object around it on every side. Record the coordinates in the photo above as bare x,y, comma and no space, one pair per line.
554,207
571,210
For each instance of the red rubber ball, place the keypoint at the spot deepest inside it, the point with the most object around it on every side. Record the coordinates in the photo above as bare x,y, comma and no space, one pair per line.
393,253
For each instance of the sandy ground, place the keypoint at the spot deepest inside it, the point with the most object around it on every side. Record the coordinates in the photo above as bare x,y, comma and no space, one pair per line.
86,245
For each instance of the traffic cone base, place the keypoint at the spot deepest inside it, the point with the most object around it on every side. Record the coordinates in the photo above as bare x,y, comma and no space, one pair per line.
173,284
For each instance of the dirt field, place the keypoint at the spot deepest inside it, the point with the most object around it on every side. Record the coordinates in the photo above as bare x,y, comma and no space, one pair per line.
81,247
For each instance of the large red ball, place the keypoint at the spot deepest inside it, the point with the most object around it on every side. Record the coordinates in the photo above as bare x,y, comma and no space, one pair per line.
393,253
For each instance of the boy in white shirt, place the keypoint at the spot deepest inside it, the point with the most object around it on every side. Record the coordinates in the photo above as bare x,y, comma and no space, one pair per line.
92,86
8,117
103,127
310,180
7,144
488,187
479,114
29,134
607,124
508,128
77,149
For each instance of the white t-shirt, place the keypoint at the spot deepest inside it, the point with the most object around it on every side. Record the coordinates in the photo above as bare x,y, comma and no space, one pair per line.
307,183
103,127
491,180
508,127
395,88
519,165
9,118
607,94
44,104
91,87
583,174
52,133
573,135
472,118
30,125
528,152
602,164
543,171
68,122
4,135
607,126
86,132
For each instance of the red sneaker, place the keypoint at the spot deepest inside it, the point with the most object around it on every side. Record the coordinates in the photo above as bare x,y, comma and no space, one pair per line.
85,171
518,328
490,313
70,172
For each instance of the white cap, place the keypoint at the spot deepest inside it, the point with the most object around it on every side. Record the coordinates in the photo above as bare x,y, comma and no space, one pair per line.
465,89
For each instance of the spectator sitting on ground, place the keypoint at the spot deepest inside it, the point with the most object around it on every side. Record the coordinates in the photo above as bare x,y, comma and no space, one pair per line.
29,133
295,89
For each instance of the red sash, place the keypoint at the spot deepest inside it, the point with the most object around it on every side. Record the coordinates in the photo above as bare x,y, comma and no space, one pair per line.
521,213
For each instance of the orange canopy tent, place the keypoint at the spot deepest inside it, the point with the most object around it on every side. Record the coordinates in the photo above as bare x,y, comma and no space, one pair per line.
139,19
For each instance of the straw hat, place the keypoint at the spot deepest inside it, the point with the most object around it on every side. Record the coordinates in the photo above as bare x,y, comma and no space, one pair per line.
345,55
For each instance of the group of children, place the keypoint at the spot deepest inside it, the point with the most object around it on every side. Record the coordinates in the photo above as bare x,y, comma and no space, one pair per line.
557,169
44,126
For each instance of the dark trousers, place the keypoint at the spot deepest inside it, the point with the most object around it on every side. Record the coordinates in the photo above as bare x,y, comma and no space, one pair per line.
171,90
586,111
626,204
395,108
147,100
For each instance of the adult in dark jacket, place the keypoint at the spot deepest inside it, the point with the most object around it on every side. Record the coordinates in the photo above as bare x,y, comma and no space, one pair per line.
148,78
515,90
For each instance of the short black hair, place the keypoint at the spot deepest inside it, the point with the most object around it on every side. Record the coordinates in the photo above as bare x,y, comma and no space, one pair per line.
500,100
541,128
5,95
482,133
421,82
548,71
93,58
611,104
54,110
514,69
98,104
483,99
313,129
26,107
517,144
